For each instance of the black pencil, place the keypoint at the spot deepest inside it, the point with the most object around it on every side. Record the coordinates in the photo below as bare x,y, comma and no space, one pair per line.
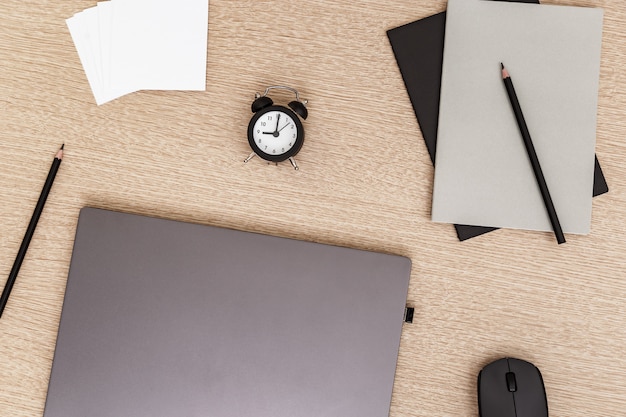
532,155
31,229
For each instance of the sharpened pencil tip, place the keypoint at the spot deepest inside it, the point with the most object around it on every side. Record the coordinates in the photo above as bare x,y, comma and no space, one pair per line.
505,73
62,146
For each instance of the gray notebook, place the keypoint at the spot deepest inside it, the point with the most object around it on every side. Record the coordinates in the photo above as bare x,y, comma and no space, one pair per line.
163,318
482,171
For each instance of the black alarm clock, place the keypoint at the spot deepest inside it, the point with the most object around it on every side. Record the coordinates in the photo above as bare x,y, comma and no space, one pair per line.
275,132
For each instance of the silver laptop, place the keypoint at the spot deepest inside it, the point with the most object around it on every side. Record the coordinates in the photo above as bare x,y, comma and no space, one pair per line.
170,319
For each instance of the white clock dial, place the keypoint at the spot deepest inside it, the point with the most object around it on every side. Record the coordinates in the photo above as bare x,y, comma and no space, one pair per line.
275,132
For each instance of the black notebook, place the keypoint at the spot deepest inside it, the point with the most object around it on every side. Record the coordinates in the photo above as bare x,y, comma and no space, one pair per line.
418,48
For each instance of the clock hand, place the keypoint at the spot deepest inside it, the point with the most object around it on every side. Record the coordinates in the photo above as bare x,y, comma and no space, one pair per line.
277,120
286,124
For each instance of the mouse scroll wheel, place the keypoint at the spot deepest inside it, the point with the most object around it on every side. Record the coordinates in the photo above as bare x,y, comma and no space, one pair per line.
511,383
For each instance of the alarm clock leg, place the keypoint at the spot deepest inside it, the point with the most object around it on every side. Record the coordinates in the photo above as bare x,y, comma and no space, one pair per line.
252,155
293,163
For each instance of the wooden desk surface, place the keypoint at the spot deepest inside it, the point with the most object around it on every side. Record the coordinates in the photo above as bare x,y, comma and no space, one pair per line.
365,181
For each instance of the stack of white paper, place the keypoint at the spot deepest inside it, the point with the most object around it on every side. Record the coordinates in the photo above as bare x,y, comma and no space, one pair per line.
131,45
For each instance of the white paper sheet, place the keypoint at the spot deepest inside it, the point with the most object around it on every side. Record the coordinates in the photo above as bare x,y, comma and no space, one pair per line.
130,45
159,44
79,26
103,53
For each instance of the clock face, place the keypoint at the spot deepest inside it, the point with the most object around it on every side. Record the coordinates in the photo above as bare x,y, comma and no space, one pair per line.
275,133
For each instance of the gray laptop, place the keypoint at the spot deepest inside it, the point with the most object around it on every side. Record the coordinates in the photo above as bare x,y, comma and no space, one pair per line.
170,319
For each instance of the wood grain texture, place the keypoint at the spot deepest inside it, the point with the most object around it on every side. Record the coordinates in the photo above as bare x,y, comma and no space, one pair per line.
365,181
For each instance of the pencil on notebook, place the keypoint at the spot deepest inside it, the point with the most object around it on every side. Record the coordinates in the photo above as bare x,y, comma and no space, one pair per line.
532,154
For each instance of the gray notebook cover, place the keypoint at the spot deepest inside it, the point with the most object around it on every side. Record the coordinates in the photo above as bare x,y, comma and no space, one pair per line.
163,318
482,172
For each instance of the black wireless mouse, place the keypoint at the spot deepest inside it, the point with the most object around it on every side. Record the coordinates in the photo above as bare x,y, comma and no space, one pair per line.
511,387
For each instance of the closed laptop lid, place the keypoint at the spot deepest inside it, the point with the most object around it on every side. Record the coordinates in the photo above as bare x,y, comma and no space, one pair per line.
165,318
